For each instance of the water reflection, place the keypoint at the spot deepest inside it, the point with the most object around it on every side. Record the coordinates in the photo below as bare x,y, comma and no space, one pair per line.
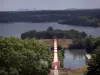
74,58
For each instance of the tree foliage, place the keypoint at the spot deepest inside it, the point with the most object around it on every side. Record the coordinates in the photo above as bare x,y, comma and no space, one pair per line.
49,29
23,57
94,64
47,15
82,21
93,45
90,43
50,33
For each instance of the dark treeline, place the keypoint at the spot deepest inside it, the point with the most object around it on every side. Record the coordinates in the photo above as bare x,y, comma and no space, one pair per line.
89,43
46,15
50,33
82,21
77,44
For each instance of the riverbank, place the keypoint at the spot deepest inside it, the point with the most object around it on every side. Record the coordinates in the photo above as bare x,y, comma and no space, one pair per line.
84,21
76,71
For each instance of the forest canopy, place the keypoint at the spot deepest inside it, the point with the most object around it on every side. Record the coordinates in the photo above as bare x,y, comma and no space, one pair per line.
50,33
24,57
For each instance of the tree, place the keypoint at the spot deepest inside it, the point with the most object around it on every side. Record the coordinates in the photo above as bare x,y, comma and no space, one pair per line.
50,33
23,57
83,34
94,65
49,29
89,44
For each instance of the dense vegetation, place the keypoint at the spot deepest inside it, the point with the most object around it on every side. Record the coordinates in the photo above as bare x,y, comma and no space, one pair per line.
25,57
50,33
51,16
93,44
94,63
77,44
88,43
82,21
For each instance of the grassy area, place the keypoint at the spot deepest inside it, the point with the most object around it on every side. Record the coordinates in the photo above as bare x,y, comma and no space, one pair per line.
63,42
77,71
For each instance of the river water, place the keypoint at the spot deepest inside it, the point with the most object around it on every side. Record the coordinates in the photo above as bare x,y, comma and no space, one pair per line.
72,59
15,29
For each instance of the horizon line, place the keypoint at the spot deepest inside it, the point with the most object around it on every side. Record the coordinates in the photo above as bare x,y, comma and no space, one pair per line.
50,9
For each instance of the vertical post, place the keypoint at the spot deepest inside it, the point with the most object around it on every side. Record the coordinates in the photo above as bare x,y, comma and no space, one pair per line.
55,51
55,60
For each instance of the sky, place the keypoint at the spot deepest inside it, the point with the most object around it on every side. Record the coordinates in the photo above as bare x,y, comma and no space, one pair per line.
6,5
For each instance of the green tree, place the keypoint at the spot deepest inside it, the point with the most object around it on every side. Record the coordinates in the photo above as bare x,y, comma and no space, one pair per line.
23,57
94,65
89,44
49,29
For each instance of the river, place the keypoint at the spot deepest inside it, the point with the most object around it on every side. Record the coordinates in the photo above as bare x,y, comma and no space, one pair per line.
74,58
15,29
